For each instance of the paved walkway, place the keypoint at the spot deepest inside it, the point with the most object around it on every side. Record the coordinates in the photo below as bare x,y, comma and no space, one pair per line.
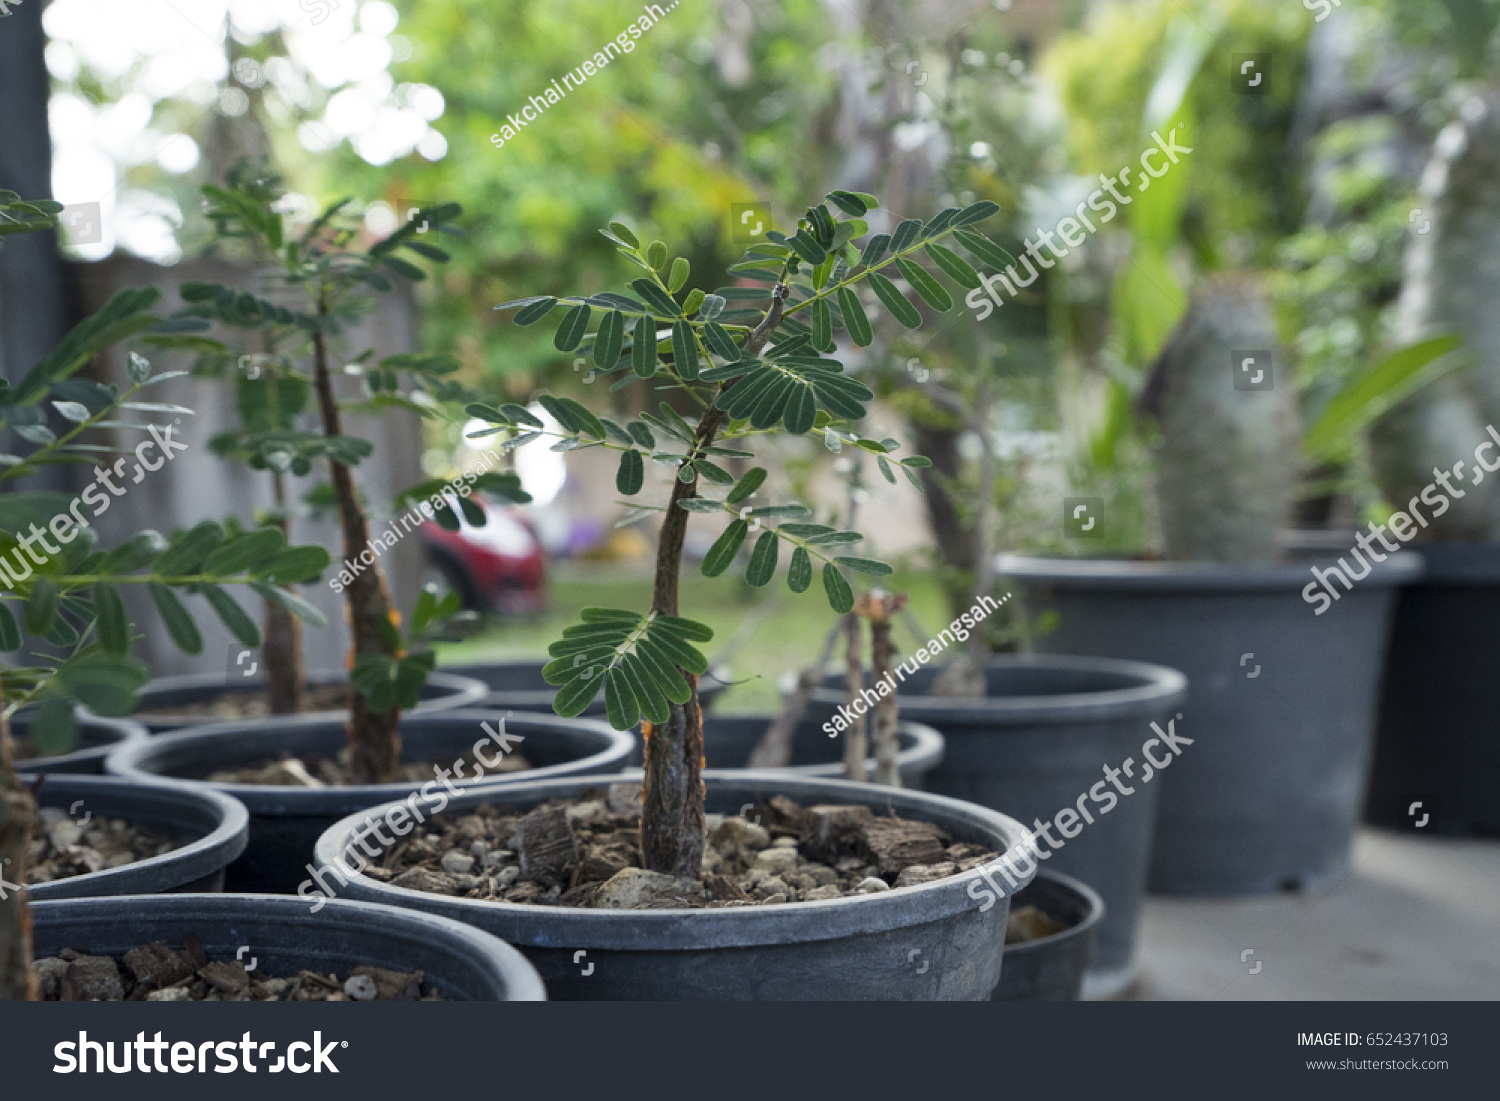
1419,919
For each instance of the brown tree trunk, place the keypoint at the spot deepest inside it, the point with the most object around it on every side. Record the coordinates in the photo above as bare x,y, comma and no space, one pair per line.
374,745
855,747
282,648
17,818
672,816
952,538
880,608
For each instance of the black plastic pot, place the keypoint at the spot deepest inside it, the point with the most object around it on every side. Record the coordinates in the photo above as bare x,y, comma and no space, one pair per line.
218,825
96,736
1051,969
728,741
1039,742
283,938
519,686
936,941
1437,753
285,822
1281,705
442,692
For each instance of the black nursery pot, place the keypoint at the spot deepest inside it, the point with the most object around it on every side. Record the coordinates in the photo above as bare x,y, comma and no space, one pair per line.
1281,705
442,692
96,737
937,941
519,686
1038,743
1437,744
1051,969
729,740
217,825
283,938
285,822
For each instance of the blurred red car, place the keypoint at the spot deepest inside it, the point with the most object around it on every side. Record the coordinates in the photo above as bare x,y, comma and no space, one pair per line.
500,567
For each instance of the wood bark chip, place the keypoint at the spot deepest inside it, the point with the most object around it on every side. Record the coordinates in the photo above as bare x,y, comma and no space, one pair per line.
545,844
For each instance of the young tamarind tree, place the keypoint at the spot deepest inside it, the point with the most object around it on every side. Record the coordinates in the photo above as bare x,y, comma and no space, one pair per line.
337,279
66,588
752,360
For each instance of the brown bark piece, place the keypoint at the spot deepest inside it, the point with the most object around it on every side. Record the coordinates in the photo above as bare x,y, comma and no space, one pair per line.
226,978
894,844
92,979
545,846
156,966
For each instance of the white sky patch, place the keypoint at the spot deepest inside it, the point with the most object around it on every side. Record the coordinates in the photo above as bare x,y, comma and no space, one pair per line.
176,50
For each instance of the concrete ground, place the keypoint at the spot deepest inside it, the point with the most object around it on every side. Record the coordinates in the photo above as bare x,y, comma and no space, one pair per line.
1418,919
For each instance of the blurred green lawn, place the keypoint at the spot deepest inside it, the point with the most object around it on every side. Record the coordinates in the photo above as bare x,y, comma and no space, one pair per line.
767,631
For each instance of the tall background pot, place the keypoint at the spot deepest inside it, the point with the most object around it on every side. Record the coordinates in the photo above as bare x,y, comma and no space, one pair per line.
1437,743
1037,743
285,822
1281,705
941,940
728,741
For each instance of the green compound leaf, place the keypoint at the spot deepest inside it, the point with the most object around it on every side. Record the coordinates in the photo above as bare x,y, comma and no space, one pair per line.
632,473
609,340
854,318
930,289
574,325
177,619
893,300
799,573
840,595
763,559
722,553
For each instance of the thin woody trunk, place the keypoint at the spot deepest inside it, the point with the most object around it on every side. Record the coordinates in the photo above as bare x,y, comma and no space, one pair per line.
854,679
282,647
17,818
374,745
672,816
880,608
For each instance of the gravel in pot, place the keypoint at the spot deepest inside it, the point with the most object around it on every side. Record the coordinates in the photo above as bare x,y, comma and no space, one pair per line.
923,939
273,936
286,820
90,827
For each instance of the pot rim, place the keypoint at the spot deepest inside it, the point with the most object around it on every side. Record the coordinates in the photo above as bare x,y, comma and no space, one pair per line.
1400,568
133,760
541,698
727,927
1091,922
1160,688
463,691
926,751
202,856
511,970
128,729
